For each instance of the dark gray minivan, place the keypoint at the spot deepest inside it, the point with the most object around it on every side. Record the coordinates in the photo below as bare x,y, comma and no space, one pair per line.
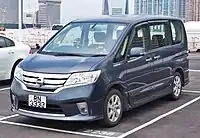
97,68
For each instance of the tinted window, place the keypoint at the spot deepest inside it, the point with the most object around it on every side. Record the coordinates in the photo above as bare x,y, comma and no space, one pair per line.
72,36
159,33
98,29
140,38
177,32
86,39
2,42
9,42
122,50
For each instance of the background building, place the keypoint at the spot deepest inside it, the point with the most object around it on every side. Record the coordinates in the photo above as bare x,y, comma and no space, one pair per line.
182,9
49,12
193,10
9,11
29,17
160,7
113,7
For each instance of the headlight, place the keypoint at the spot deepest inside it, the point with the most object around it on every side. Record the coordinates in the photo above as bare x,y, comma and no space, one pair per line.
83,78
18,73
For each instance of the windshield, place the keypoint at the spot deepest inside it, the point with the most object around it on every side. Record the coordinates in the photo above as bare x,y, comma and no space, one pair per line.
85,39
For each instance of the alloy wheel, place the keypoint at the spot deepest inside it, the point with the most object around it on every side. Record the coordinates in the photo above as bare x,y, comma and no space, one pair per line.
177,86
114,108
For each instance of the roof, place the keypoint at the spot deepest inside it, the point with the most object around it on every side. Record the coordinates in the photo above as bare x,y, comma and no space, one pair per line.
4,35
124,18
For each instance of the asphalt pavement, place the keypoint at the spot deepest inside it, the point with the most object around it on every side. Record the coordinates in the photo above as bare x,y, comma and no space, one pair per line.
159,119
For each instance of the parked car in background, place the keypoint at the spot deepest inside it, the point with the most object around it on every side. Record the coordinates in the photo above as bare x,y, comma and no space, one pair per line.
97,68
11,53
57,27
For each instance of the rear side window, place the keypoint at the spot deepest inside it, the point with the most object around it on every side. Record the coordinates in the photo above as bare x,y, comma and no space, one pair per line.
177,32
2,42
159,33
9,42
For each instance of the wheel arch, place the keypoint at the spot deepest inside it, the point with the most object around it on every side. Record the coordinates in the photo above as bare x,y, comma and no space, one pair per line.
122,88
13,67
181,71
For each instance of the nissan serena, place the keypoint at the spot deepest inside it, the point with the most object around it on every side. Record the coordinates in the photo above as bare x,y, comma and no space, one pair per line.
98,68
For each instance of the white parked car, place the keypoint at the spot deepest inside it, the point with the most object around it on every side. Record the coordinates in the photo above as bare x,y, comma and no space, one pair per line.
11,53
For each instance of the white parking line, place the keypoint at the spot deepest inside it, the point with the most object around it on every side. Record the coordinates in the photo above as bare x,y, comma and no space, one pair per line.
8,117
192,70
158,118
55,130
98,135
189,91
3,89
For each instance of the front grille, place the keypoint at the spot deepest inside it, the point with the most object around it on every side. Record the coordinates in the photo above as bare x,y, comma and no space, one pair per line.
51,109
44,82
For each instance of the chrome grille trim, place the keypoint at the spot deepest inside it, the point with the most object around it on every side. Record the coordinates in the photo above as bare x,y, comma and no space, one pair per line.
26,79
46,81
43,86
45,75
50,82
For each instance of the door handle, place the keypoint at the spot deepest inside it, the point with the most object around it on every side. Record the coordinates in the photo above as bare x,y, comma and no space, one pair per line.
149,59
156,57
11,52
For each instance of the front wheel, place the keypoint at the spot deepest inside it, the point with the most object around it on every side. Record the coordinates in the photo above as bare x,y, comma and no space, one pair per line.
177,87
113,109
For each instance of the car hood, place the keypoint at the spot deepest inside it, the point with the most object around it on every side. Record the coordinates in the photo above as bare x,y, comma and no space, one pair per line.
58,64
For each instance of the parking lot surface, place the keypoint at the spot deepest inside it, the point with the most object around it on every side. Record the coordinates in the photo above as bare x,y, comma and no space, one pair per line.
159,119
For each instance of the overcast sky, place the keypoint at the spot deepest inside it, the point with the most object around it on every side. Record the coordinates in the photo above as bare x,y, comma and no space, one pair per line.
94,8
30,5
70,9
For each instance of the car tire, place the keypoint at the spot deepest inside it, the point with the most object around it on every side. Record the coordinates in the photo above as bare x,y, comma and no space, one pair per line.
113,108
177,86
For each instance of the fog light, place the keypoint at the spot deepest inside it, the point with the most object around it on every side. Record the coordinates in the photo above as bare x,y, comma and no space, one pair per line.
83,108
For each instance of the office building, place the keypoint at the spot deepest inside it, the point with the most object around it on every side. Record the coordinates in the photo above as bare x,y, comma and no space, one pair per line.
113,7
160,7
193,10
49,12
182,9
29,17
9,10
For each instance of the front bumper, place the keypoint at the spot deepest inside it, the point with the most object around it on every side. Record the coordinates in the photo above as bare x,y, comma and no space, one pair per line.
60,117
61,105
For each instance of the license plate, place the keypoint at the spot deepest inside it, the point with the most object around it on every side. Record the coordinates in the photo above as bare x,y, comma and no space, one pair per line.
37,101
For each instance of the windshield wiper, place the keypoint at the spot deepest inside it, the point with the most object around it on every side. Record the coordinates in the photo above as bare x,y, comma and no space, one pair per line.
99,55
68,54
80,55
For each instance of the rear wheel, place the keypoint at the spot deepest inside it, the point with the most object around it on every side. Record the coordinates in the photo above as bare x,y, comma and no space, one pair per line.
177,87
113,109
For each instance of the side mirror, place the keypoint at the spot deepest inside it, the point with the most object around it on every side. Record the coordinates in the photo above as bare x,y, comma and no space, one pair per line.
137,52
